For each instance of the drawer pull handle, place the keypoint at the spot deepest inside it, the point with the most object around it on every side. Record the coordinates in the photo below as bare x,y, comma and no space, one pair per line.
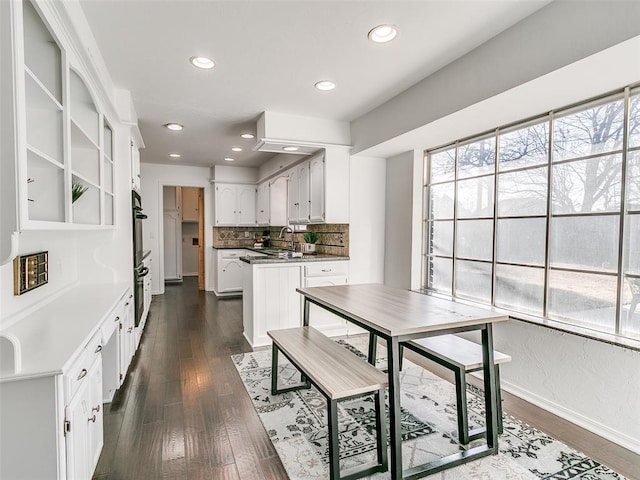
92,419
126,304
96,409
326,269
98,349
130,329
117,319
83,374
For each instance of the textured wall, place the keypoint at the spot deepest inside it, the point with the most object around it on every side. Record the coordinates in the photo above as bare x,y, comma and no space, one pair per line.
591,383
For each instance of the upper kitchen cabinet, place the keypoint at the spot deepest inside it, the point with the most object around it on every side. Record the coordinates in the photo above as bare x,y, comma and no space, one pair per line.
65,160
319,188
271,202
235,205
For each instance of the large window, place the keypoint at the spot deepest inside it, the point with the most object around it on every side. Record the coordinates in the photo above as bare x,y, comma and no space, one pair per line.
543,218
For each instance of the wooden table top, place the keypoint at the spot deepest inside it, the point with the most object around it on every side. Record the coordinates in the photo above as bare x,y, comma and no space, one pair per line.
397,312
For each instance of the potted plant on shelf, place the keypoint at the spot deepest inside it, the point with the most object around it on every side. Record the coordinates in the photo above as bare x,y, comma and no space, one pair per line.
309,245
77,190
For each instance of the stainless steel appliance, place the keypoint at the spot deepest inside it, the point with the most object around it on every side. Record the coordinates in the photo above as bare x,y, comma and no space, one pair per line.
139,270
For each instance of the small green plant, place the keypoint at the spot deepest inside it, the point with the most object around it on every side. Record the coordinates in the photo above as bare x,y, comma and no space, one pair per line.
77,190
310,237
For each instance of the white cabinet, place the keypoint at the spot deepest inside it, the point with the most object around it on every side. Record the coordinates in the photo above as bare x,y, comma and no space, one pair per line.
235,205
270,300
299,193
127,339
271,202
83,424
66,144
319,188
262,204
228,271
316,189
323,274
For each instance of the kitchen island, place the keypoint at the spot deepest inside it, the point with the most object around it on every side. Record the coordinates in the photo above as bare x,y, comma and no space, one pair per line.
270,300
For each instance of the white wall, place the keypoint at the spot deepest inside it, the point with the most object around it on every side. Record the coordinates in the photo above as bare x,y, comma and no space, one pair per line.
398,208
557,35
228,173
593,384
153,178
367,217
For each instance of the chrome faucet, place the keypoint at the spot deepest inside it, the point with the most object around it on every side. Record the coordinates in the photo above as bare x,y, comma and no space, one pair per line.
284,230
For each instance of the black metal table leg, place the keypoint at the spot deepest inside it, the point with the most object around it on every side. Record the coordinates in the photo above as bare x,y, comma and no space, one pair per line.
393,360
373,346
305,314
490,390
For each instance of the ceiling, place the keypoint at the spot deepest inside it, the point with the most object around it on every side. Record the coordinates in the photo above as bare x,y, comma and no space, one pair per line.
269,55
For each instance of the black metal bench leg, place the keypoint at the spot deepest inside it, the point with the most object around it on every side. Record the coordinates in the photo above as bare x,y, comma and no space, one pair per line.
381,431
373,343
461,406
334,451
498,400
274,369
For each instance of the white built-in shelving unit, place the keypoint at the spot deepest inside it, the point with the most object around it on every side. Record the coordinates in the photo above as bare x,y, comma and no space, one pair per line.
67,139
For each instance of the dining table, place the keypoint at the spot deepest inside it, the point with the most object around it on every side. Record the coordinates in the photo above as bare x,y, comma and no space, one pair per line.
399,315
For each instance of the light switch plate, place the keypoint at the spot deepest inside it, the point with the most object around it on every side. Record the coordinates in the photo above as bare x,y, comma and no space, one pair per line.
30,271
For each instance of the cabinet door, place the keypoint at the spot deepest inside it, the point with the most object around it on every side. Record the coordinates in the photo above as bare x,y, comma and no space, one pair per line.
303,189
172,233
262,204
94,420
294,195
316,189
127,343
246,202
77,433
225,208
189,204
278,202
230,279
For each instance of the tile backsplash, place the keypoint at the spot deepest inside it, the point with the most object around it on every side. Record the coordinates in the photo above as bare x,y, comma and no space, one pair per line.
333,239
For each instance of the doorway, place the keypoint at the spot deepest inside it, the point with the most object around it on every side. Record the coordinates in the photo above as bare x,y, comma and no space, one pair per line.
183,234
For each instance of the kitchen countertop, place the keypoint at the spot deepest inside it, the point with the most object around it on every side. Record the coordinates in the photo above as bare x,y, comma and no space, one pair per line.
261,257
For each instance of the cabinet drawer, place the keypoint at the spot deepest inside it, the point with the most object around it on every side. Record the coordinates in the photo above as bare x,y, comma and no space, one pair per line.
77,374
231,253
325,269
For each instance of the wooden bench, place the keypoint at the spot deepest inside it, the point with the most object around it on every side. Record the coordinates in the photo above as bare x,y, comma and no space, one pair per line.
462,357
339,375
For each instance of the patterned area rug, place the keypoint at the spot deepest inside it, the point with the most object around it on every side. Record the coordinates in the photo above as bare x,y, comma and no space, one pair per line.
296,423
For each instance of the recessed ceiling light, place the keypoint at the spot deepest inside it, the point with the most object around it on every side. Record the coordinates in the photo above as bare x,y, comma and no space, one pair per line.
202,62
229,159
325,85
236,149
174,155
383,33
174,126
247,135
290,149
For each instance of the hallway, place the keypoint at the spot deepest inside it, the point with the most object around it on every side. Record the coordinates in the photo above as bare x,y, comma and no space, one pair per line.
183,412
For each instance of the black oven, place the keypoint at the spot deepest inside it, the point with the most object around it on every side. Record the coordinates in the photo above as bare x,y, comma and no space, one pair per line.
139,270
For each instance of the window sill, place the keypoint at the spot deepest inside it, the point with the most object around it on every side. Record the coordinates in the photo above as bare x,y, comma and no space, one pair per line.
612,339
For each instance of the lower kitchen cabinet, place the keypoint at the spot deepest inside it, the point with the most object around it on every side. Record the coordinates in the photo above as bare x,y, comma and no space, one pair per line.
52,405
270,300
228,271
83,426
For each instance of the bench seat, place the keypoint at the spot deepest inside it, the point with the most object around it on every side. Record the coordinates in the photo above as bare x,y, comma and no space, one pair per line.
461,356
338,374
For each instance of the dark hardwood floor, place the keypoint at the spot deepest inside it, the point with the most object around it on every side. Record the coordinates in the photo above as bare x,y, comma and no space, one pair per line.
183,412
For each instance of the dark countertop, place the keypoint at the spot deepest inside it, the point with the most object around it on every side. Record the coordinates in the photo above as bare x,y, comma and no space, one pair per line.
261,258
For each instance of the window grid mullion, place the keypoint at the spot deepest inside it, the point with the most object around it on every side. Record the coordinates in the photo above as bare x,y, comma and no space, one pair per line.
495,217
623,209
455,219
545,295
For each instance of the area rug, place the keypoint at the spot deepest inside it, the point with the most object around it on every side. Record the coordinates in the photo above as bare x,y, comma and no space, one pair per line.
297,425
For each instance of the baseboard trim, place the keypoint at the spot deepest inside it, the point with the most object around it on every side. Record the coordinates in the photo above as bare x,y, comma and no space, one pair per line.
604,431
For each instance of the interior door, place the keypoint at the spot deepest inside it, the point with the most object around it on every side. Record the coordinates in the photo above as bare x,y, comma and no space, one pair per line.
172,245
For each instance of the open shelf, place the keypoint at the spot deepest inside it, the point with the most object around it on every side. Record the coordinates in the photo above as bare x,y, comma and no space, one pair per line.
86,209
83,111
44,121
42,55
46,194
85,155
